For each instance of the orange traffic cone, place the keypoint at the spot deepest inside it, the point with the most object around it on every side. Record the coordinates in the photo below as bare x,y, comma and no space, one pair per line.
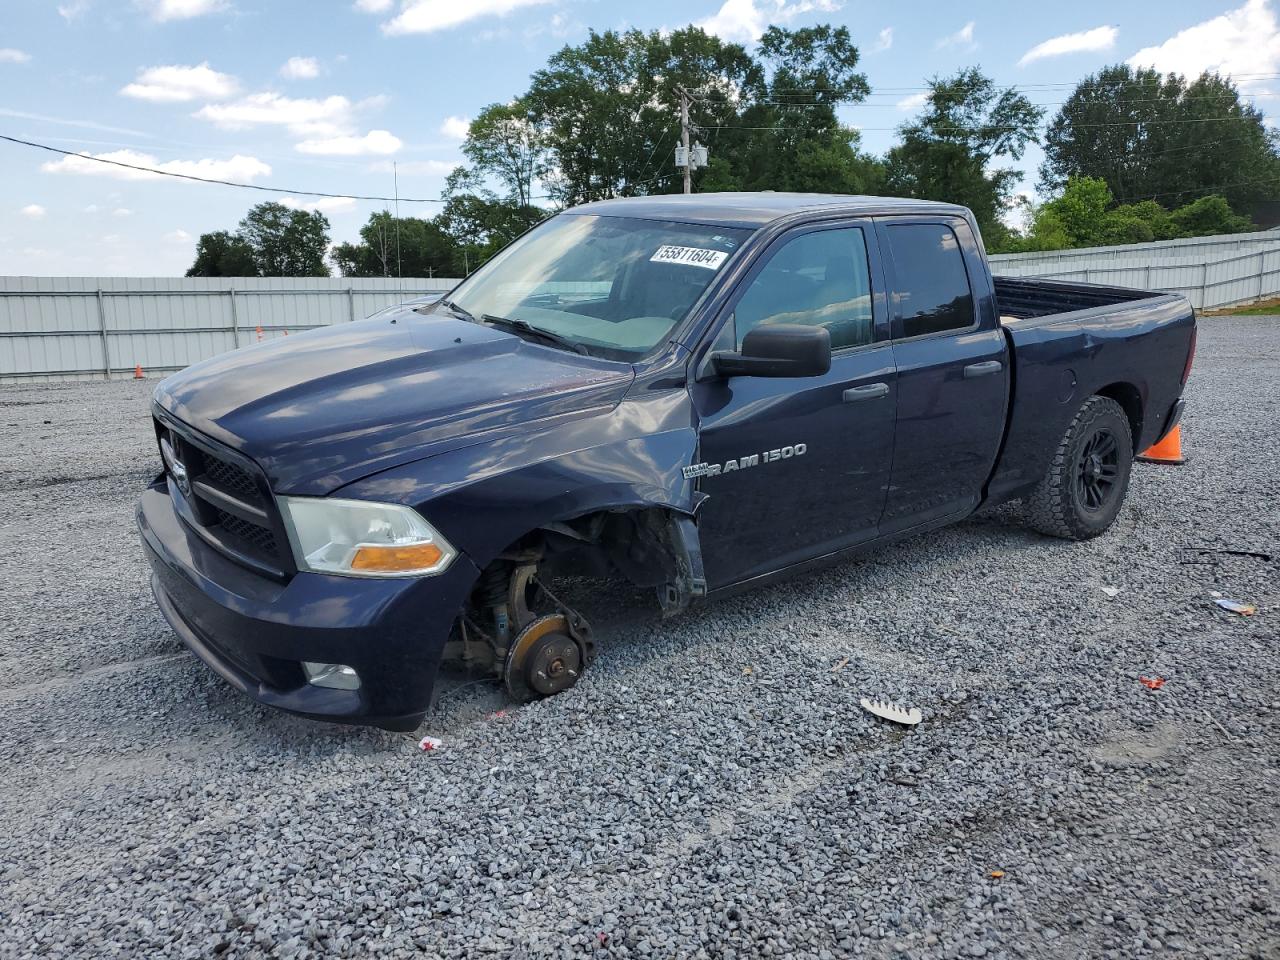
1168,450
259,334
137,372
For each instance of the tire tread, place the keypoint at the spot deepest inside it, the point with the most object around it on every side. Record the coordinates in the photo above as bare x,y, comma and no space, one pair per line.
1047,509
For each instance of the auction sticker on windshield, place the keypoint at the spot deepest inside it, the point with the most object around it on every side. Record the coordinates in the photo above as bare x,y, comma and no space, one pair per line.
692,256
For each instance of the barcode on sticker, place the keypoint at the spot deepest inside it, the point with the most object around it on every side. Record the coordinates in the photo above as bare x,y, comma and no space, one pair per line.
692,256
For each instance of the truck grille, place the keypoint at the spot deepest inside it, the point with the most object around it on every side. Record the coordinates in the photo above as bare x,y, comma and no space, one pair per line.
232,479
227,500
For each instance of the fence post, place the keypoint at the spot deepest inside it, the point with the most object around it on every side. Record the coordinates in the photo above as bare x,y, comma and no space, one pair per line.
1262,265
351,302
235,319
102,332
1204,287
1146,284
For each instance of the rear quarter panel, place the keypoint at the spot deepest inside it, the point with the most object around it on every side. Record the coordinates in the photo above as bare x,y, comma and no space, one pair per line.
1062,360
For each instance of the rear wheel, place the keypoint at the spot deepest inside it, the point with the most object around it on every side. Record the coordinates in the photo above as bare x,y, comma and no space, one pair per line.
1085,485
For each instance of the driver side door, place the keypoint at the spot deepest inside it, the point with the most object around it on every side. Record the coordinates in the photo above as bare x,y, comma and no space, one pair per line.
796,468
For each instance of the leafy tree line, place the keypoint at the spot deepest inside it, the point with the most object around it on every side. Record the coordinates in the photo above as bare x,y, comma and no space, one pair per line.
272,241
1131,155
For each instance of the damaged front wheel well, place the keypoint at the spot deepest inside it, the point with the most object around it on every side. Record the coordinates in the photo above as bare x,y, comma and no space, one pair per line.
648,546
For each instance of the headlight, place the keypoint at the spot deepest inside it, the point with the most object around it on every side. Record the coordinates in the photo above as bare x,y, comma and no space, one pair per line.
357,538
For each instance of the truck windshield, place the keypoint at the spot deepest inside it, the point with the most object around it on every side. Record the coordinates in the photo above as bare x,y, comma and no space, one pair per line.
614,285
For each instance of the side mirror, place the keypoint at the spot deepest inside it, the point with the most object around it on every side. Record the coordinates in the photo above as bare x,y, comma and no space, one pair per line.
778,350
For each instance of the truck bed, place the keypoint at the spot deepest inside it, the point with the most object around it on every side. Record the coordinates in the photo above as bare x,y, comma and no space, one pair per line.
1070,340
1027,298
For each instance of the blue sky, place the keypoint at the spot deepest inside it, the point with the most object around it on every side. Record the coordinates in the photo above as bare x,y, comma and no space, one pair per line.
325,94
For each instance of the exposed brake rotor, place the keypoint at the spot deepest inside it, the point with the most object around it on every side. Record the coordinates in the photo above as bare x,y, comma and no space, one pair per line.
546,657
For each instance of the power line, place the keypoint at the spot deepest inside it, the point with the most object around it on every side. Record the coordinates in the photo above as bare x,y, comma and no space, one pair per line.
885,106
228,183
887,91
1209,190
990,128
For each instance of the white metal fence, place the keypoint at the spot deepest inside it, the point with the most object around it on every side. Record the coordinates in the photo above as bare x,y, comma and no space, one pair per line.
81,327
1211,272
70,328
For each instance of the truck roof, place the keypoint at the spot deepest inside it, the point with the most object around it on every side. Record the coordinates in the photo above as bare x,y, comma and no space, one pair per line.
755,209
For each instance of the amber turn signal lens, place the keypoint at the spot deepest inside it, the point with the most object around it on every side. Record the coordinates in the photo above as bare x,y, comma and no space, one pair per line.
419,556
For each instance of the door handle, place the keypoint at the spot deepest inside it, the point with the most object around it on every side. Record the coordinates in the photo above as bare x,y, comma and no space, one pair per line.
982,369
868,392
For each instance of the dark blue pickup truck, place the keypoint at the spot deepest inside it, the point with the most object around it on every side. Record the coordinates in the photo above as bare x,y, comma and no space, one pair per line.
695,393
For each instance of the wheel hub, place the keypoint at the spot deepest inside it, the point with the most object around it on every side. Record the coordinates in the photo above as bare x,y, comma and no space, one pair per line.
1099,470
545,659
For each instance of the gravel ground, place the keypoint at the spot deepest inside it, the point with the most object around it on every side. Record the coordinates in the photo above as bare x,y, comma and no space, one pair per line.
711,788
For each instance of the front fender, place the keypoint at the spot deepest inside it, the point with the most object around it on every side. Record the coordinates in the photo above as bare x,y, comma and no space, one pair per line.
485,497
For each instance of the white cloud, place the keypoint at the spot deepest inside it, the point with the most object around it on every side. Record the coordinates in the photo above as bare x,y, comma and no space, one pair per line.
961,38
913,102
239,168
427,16
884,41
744,21
300,68
178,84
330,117
322,205
1239,43
455,128
177,236
373,6
33,211
122,212
1099,38
91,208
379,143
74,10
164,10
10,55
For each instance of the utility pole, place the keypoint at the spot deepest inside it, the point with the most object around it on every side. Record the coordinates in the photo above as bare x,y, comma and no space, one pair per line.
684,139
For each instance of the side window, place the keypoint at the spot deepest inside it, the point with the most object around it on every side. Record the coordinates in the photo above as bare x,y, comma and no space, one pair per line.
933,287
817,278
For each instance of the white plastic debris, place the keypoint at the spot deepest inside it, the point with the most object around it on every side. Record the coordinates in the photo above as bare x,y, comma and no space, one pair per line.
1235,606
430,743
1111,592
891,711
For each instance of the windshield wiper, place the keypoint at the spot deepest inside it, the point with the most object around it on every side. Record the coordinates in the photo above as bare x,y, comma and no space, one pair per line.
463,312
525,327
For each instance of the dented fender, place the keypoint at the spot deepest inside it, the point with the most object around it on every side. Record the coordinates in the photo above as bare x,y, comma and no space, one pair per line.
634,455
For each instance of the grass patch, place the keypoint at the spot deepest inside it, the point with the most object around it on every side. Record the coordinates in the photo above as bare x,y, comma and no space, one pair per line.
1265,308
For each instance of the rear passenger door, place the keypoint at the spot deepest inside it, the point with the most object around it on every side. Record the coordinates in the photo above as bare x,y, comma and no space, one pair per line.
952,373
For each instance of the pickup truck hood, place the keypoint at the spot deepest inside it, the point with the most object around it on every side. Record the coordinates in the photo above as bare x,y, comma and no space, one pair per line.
322,409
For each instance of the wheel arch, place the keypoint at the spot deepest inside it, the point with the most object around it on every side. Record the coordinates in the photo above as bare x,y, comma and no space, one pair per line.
1130,400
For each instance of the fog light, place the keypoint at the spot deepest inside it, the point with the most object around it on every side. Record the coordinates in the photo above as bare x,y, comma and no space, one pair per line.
335,676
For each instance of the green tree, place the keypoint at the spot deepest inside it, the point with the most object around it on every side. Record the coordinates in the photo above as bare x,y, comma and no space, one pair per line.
504,144
947,152
1207,217
391,247
606,108
477,227
790,138
1162,137
1085,215
223,254
286,242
